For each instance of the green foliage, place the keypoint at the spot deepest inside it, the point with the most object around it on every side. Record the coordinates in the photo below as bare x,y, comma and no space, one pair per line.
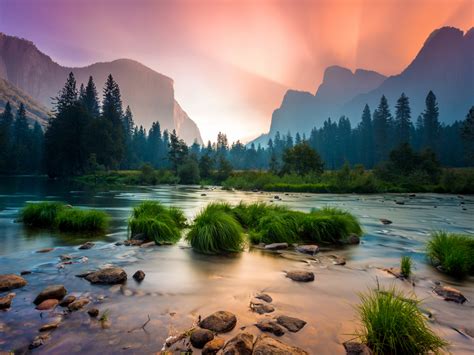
279,228
302,159
394,324
75,220
188,172
42,215
216,231
405,266
453,252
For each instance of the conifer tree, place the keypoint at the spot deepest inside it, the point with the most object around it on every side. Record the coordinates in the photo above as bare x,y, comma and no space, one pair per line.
431,124
366,138
381,123
402,120
68,94
90,98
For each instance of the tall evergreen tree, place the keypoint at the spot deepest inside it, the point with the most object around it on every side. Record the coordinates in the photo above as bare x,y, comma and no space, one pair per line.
90,98
21,141
467,133
431,124
68,95
6,127
402,120
381,123
366,138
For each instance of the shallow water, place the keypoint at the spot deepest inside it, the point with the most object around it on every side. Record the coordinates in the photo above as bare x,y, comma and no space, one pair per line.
181,285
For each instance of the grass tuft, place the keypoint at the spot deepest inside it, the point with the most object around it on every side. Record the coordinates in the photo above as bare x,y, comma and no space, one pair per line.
454,253
405,266
75,220
42,215
394,324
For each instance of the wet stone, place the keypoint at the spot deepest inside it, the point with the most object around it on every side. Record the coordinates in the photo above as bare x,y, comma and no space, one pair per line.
354,348
270,326
338,260
47,304
261,307
25,272
385,221
45,250
6,301
11,281
93,312
201,337
78,304
292,324
67,301
212,347
49,326
219,322
111,275
450,294
265,297
276,246
139,275
51,292
353,239
241,344
39,340
308,249
300,276
87,245
266,345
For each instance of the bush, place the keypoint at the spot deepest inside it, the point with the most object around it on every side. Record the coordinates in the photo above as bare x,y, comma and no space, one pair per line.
405,266
453,252
42,215
394,324
75,220
216,231
278,228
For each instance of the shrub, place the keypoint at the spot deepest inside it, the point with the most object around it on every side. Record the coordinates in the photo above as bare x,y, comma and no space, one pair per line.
279,228
394,324
41,214
453,252
75,220
249,215
405,266
215,231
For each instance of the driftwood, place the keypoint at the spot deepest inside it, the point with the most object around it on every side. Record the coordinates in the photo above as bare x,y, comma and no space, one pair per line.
174,339
141,327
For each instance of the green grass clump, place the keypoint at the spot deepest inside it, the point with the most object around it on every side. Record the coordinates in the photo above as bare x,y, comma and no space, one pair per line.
157,222
75,220
42,215
405,266
394,324
279,228
215,231
453,252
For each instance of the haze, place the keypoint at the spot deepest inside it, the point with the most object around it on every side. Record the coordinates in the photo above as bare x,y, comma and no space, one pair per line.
232,61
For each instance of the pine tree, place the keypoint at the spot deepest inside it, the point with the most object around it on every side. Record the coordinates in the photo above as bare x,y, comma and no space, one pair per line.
90,98
21,141
178,151
67,96
431,123
6,127
366,138
381,123
467,134
402,120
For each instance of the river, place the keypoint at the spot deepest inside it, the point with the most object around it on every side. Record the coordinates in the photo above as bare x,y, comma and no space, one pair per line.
181,285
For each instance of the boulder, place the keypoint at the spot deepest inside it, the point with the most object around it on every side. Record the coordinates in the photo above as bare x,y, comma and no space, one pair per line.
261,307
308,249
49,326
47,304
266,345
219,322
87,245
385,221
301,276
56,292
10,281
354,348
241,344
39,340
25,272
270,326
276,246
45,250
6,301
78,304
292,324
450,294
139,275
201,337
110,275
212,347
265,297
67,301
338,260
93,312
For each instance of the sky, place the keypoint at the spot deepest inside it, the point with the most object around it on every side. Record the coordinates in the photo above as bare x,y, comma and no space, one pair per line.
233,60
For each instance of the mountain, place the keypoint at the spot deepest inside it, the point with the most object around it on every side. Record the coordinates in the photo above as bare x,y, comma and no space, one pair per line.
445,65
34,110
149,94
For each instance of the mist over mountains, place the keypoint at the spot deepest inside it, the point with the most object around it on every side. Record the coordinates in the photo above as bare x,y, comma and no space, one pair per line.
445,65
149,94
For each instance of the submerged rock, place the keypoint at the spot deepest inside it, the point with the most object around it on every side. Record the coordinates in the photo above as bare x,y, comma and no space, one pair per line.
338,260
148,245
45,250
111,275
201,337
300,276
139,275
265,297
93,312
56,292
261,307
270,326
25,272
47,304
292,324
219,322
353,239
49,326
276,246
87,245
266,345
67,301
39,340
241,344
354,348
385,221
6,301
78,304
11,281
450,294
212,347
308,249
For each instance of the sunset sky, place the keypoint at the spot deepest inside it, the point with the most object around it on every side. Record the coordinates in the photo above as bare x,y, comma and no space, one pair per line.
232,61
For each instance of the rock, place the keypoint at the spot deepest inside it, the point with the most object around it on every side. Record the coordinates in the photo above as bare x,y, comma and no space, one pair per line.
39,340
133,242
261,307
10,281
148,245
78,304
111,275
292,324
265,297
47,304
118,244
241,344
201,337
219,322
25,272
399,202
6,301
203,195
270,326
276,197
56,292
212,347
139,236
45,250
450,294
49,326
67,301
338,260
301,276
139,275
276,246
93,312
266,345
65,257
385,221
354,348
353,239
87,245
308,249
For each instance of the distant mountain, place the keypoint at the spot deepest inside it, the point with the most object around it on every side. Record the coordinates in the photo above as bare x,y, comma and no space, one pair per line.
149,94
34,110
445,64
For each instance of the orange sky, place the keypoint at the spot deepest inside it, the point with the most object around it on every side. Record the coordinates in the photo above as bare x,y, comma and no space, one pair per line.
232,61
